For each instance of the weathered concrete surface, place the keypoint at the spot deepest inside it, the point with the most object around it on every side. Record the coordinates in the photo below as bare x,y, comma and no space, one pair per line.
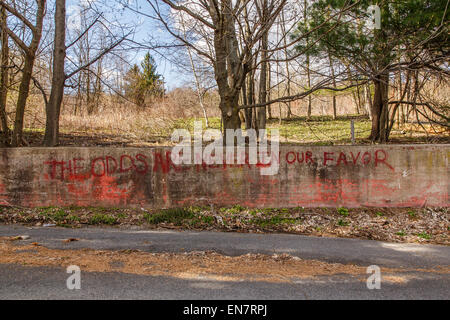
351,176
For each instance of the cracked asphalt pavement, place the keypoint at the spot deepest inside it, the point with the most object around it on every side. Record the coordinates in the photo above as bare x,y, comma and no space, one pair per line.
425,267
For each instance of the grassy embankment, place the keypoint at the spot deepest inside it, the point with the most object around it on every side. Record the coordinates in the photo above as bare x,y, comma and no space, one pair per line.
424,225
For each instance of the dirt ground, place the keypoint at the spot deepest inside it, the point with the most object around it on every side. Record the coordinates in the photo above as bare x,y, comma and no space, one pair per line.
194,265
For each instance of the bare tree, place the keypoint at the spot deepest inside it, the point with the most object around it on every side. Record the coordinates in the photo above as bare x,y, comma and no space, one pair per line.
60,76
29,57
4,74
223,20
53,107
263,15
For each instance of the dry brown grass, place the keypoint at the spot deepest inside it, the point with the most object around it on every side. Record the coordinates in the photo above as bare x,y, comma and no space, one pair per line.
120,117
120,122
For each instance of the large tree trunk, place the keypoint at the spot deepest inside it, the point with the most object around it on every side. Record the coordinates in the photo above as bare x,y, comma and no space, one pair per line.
262,116
380,107
249,82
53,107
24,90
4,78
262,90
380,115
230,113
228,67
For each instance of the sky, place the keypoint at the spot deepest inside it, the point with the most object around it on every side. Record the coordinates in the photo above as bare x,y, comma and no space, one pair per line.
146,28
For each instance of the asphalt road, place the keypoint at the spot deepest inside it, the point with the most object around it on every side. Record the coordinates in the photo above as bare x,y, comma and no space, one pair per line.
18,282
361,252
22,282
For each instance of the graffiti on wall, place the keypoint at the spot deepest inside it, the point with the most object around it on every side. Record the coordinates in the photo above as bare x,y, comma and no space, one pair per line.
108,165
308,176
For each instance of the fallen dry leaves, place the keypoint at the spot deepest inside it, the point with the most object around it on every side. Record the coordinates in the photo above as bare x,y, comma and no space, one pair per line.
424,225
194,265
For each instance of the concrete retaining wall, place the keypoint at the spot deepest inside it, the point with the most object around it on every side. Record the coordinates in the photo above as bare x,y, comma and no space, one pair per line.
350,176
